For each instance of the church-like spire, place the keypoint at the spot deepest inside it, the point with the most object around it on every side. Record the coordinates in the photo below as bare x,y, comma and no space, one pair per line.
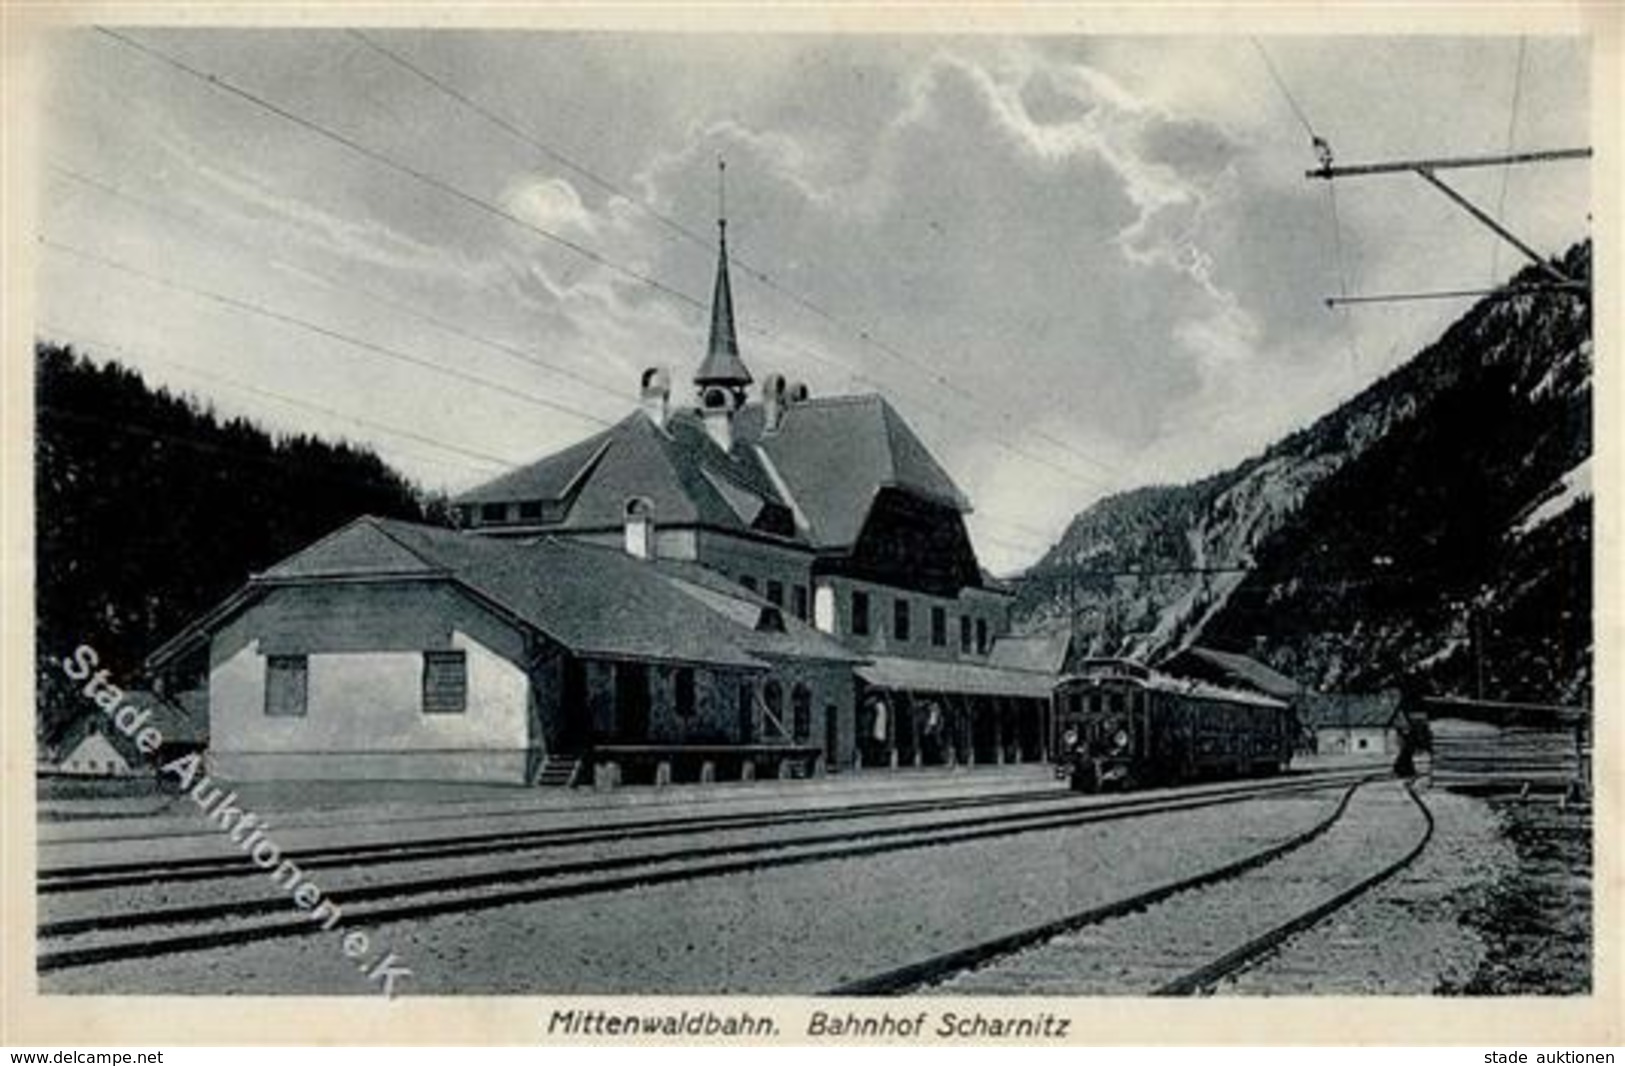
722,365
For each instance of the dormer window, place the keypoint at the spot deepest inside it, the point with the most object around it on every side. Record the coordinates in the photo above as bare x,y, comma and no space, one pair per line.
639,517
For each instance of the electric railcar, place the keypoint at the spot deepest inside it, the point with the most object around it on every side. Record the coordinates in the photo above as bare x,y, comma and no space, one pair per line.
1121,725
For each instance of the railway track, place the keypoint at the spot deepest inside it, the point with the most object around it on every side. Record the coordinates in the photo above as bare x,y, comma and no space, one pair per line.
1157,942
123,932
89,876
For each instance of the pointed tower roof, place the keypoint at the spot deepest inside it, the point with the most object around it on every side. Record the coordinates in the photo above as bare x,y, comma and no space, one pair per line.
722,365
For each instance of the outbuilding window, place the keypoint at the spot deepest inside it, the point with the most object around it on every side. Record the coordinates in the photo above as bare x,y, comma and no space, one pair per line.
798,601
939,626
964,633
287,685
900,620
775,593
445,682
493,512
981,636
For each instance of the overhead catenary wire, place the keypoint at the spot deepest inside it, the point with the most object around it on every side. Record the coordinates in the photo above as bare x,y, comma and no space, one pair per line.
317,328
1511,140
224,85
79,340
744,266
398,306
1323,150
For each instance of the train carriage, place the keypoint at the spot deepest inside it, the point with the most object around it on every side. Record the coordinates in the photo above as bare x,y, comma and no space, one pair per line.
1119,725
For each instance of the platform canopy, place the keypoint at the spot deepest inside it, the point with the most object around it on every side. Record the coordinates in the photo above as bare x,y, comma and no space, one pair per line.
967,679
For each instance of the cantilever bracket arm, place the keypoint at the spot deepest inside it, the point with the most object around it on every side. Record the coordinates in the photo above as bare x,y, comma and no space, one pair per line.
1500,230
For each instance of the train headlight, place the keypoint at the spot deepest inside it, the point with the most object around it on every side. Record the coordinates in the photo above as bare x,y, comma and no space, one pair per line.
1120,740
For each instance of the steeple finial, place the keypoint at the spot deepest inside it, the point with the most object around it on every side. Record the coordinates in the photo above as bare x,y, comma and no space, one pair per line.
722,365
722,197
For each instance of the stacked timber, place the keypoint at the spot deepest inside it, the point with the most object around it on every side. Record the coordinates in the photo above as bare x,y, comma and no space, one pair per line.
1486,747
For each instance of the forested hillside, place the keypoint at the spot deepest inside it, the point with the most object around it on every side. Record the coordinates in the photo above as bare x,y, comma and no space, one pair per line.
150,509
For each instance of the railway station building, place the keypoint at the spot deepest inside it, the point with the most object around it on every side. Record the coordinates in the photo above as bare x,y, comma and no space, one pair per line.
754,580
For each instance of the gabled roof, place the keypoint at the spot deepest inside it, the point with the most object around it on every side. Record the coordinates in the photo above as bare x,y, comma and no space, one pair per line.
832,457
678,468
835,454
550,477
181,720
594,600
1349,710
1237,669
1043,653
94,722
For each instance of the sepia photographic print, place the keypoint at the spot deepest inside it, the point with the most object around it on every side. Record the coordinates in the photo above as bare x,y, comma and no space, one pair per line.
901,532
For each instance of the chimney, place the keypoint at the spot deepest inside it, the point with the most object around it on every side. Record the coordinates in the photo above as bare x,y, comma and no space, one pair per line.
640,527
717,412
655,394
772,403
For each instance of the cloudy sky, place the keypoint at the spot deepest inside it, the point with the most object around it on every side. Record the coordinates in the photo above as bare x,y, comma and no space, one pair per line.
1076,265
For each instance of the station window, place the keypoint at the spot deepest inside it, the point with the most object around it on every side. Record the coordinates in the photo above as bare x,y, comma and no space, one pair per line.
939,626
445,682
964,633
899,620
798,601
860,613
683,692
287,685
801,713
493,512
775,593
981,636
530,511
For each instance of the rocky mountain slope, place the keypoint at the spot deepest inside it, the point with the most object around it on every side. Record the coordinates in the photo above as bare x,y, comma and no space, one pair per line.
1436,528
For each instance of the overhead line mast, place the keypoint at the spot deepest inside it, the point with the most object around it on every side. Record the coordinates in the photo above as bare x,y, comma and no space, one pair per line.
1426,170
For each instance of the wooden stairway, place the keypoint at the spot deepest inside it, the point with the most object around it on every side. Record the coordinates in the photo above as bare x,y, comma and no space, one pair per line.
558,771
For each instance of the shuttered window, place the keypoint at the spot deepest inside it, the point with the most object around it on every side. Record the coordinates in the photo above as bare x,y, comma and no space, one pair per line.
445,682
287,685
